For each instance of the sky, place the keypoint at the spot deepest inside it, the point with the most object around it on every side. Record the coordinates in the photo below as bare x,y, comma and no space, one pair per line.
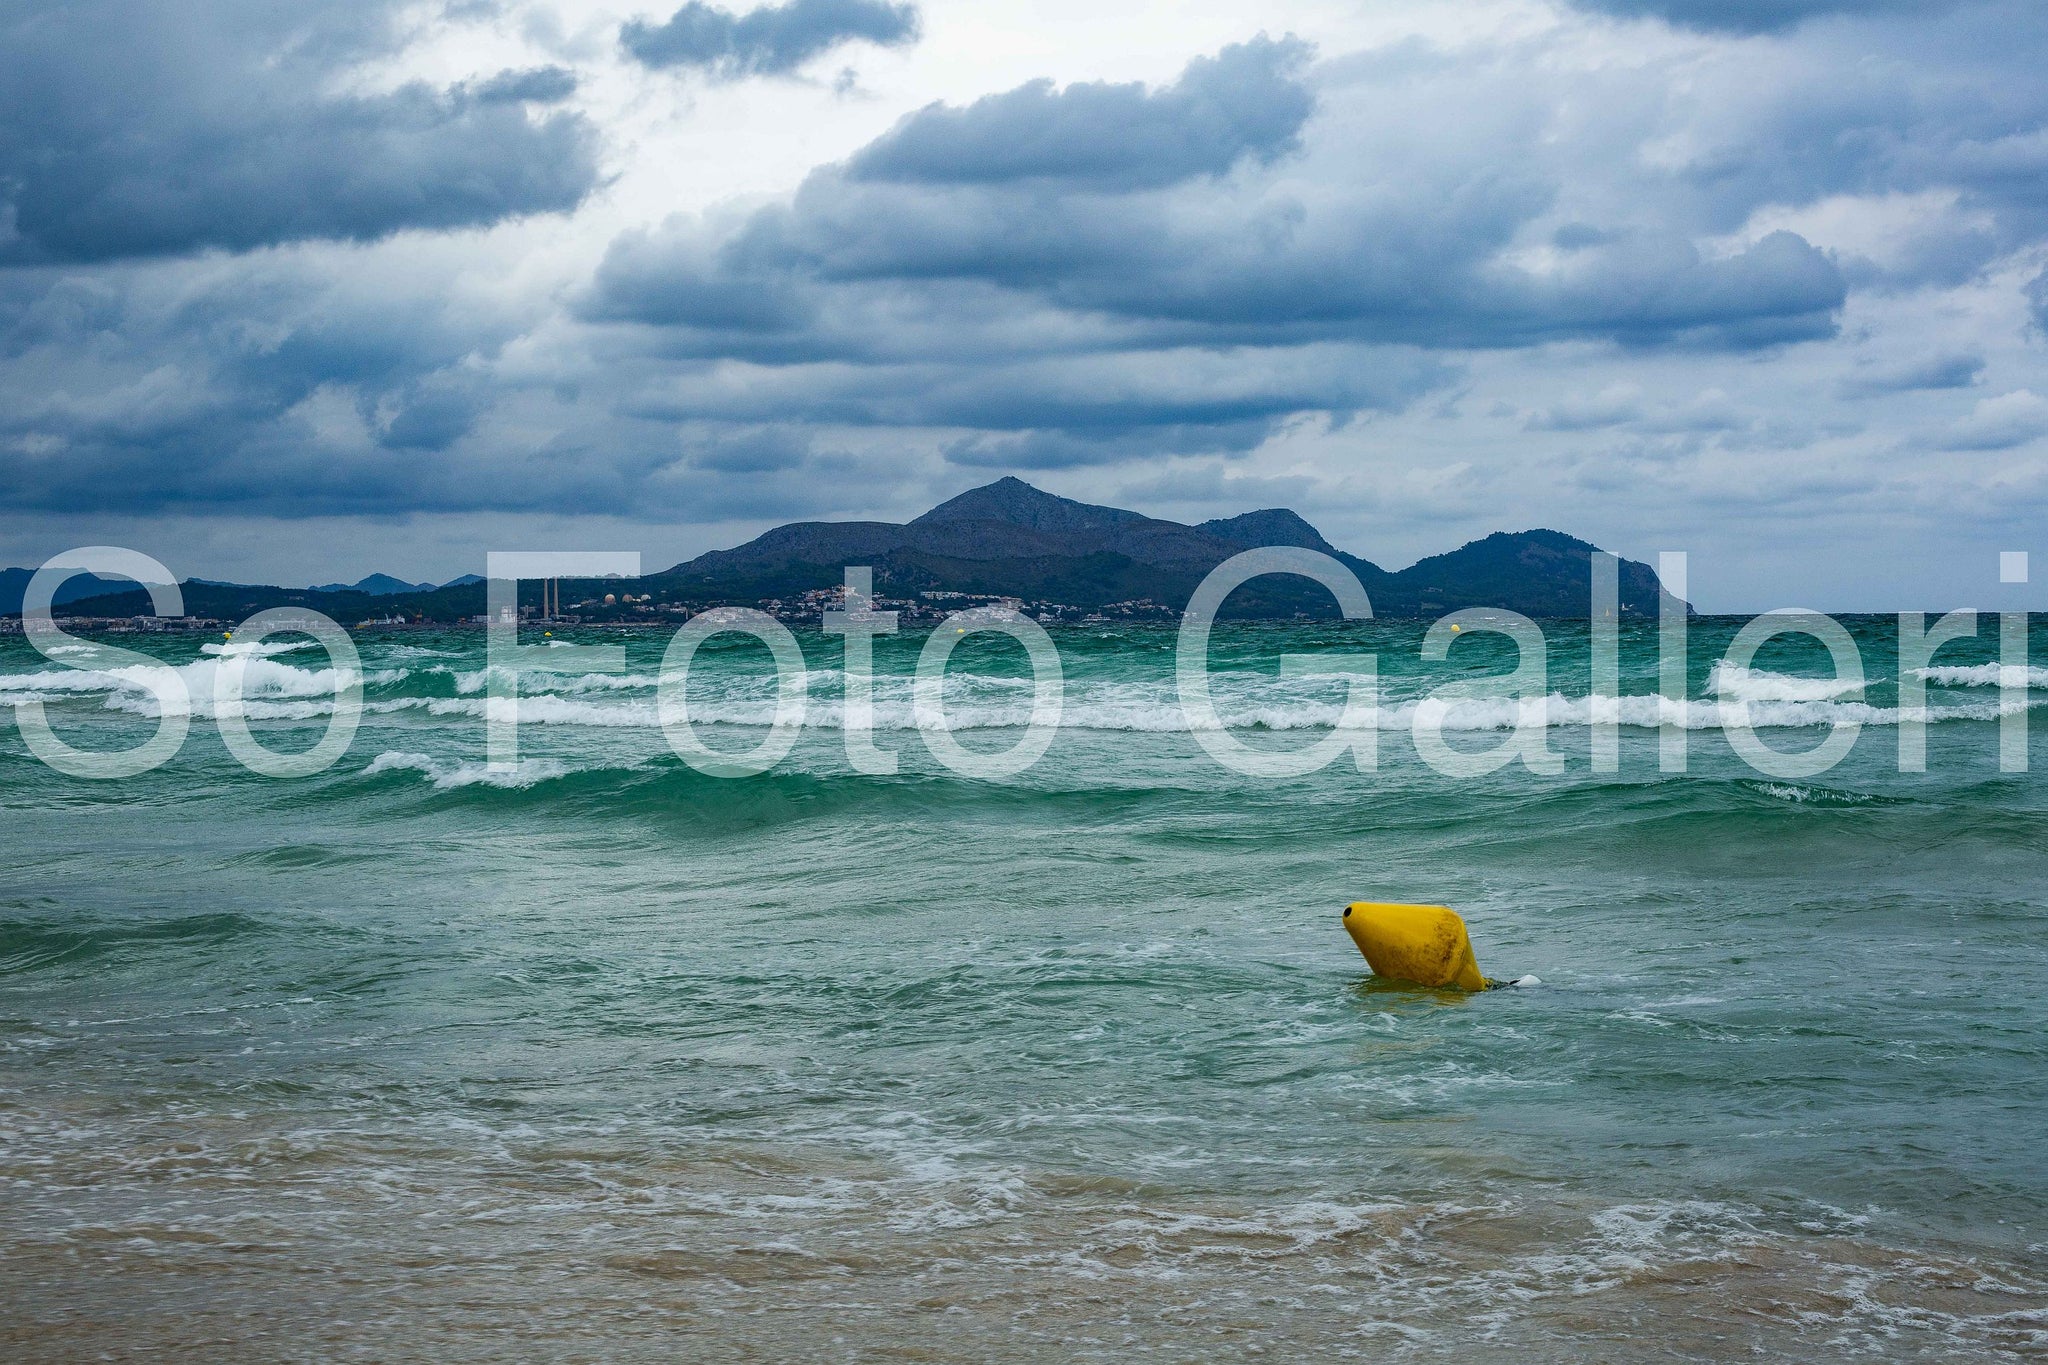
298,292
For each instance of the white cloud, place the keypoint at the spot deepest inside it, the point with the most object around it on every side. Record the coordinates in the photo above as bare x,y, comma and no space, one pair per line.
2011,419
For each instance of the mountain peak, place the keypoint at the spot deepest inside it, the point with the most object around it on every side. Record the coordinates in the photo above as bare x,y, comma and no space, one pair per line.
1010,538
376,585
1010,499
1268,526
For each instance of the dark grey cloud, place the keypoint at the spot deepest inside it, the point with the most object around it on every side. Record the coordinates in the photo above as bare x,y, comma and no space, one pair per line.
667,278
770,41
1893,104
749,450
134,129
1107,273
283,384
1047,278
1098,397
432,418
1247,101
1064,448
535,85
1221,264
1754,16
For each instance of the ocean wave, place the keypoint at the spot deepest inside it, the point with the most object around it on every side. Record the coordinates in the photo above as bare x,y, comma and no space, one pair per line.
448,775
1802,795
276,690
255,649
468,683
547,709
1114,707
1985,675
206,708
1732,682
138,689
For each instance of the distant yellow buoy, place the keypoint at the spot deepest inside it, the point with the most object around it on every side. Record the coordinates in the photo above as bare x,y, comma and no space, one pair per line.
1455,627
1425,944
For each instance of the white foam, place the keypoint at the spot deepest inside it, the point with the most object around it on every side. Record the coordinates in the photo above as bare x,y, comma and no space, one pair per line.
1985,675
1242,700
1156,708
447,775
1732,682
548,709
257,649
540,680
1798,795
136,689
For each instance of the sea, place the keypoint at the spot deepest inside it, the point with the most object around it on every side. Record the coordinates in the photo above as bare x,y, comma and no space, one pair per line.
594,1055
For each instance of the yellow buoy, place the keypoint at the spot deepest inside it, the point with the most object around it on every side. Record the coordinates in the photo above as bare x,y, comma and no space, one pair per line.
1426,944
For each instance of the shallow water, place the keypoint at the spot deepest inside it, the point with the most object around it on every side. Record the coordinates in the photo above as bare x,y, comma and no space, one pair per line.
605,1057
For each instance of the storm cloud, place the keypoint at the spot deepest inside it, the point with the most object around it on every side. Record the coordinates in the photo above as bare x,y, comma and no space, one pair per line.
1245,102
133,129
1755,16
1306,232
1726,265
770,41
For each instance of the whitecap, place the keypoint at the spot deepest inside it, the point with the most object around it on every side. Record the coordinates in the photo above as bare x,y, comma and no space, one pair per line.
1985,675
448,775
144,689
1732,682
258,649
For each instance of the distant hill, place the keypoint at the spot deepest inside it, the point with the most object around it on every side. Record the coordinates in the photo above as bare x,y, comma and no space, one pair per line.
14,583
1009,537
1274,526
1004,538
376,585
1007,520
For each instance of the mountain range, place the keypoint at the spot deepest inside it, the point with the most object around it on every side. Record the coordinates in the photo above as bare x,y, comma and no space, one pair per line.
88,589
14,583
1004,538
1009,537
377,585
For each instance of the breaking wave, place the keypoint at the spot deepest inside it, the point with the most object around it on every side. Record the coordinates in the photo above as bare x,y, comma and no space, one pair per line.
1157,709
273,689
255,649
1732,682
269,690
1986,675
448,775
468,683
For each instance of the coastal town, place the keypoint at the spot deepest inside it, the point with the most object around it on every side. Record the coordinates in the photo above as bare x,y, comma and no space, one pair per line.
614,610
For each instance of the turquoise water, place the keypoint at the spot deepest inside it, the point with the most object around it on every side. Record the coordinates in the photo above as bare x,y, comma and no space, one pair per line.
607,1057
